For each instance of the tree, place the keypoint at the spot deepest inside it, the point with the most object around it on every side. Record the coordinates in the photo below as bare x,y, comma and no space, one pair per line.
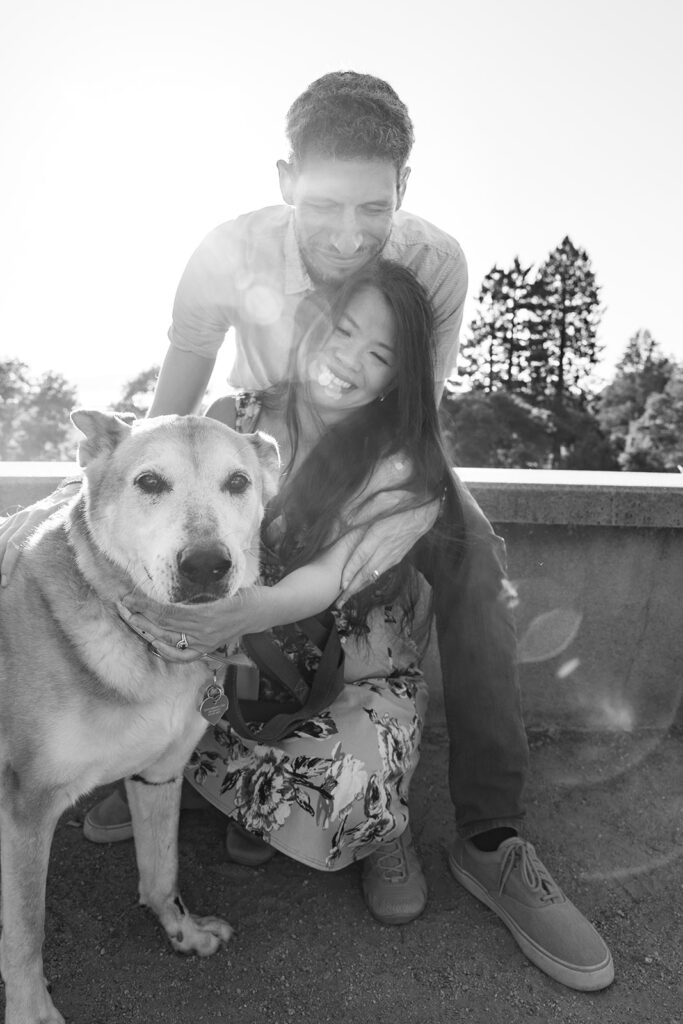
578,440
34,414
496,429
534,337
137,394
642,371
43,429
14,386
654,442
499,334
568,316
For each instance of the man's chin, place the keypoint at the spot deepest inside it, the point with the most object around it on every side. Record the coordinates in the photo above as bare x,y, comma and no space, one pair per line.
330,271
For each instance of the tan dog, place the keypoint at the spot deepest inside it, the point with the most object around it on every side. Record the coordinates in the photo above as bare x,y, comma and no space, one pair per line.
171,506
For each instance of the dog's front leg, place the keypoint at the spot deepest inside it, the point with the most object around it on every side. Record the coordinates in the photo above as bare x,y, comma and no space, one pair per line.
26,836
155,809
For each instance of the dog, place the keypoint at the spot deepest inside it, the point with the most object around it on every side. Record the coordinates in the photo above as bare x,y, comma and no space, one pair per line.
171,506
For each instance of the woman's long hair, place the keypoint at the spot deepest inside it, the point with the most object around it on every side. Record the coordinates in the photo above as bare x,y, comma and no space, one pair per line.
403,424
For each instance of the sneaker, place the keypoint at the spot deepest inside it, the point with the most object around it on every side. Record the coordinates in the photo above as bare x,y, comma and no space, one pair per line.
109,820
551,932
243,847
394,886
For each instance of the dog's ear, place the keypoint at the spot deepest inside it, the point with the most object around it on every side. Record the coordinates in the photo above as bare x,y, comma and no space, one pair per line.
269,456
103,432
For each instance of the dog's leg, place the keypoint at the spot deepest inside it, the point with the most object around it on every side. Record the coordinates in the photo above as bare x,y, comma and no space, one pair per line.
26,830
155,810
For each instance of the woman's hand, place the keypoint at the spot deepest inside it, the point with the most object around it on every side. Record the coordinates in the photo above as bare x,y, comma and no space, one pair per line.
17,528
205,627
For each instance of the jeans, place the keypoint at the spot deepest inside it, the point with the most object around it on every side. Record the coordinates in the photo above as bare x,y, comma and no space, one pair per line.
489,754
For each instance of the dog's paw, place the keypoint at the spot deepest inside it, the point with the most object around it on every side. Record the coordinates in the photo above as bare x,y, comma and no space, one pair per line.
203,936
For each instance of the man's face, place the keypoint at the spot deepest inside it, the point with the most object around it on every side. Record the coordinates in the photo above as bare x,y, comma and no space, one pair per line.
343,211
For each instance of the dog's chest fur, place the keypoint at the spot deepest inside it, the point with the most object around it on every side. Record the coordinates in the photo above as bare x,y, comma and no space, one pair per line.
87,699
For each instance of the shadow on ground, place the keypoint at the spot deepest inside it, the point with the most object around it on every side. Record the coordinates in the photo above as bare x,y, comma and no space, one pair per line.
605,813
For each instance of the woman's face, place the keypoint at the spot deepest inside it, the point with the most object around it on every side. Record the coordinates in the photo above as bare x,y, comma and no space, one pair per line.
357,361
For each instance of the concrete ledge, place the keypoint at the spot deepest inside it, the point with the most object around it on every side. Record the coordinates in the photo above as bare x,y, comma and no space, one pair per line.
22,483
597,559
506,495
578,498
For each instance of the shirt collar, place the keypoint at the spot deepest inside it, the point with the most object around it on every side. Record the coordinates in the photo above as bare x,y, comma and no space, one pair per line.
392,250
296,276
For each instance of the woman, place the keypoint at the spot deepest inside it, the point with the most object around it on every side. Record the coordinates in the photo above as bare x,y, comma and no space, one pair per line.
358,431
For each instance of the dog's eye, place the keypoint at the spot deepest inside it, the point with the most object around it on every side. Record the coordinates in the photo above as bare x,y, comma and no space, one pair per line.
237,483
152,483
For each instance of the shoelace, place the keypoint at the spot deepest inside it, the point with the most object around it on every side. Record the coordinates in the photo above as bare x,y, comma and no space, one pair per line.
393,861
535,874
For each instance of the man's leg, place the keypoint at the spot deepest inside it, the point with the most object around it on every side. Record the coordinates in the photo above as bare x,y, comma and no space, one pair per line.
489,752
477,644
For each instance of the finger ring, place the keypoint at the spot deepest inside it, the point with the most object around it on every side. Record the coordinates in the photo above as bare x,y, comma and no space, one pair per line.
375,574
182,644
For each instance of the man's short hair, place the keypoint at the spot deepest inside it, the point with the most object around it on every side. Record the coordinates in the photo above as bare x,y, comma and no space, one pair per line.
347,115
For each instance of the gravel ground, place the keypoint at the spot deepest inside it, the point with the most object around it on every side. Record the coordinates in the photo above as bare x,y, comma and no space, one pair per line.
605,813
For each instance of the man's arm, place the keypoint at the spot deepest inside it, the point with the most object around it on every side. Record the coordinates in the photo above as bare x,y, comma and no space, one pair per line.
182,383
448,298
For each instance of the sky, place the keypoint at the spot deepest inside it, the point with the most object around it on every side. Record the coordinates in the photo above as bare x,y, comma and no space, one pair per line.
129,129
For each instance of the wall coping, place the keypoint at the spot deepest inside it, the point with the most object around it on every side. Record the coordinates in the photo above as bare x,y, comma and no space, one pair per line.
542,496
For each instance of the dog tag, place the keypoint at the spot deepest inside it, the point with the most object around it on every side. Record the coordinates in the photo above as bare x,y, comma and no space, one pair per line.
214,703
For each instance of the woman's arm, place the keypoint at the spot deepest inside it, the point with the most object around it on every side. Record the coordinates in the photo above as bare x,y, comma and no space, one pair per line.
389,521
304,592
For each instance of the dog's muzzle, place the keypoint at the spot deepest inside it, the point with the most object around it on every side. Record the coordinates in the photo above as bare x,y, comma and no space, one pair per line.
202,572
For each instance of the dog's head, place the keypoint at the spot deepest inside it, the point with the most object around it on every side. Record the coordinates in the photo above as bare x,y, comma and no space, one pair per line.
177,501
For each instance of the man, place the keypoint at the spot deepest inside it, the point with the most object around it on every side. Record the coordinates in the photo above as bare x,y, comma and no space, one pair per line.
343,187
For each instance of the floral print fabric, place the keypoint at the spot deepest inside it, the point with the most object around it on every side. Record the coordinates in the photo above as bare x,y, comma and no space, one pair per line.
337,788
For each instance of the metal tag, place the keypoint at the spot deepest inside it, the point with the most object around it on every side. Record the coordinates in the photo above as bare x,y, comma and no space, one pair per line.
214,703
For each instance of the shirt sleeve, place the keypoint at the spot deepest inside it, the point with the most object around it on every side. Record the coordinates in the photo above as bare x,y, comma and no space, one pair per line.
385,488
448,299
203,310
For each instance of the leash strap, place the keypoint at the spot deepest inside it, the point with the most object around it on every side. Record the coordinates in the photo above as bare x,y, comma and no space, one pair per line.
308,701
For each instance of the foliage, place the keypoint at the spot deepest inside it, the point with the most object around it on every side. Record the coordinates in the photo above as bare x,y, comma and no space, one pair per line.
535,334
138,393
503,429
34,414
654,442
568,317
642,371
500,333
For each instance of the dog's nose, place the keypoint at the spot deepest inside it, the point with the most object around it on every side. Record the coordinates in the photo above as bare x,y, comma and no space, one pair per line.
204,565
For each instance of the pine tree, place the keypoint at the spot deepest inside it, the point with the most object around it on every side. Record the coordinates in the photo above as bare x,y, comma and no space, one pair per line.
495,354
568,316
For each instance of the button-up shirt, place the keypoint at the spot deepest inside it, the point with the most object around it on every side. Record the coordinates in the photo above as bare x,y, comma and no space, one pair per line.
248,274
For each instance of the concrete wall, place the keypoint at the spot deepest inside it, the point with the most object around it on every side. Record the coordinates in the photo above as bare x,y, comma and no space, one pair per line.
597,559
598,563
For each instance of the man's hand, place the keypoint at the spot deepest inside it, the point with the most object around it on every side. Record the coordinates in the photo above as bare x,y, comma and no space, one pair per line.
16,529
384,544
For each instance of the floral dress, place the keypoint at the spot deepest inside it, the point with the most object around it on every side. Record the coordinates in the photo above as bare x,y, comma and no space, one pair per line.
337,788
